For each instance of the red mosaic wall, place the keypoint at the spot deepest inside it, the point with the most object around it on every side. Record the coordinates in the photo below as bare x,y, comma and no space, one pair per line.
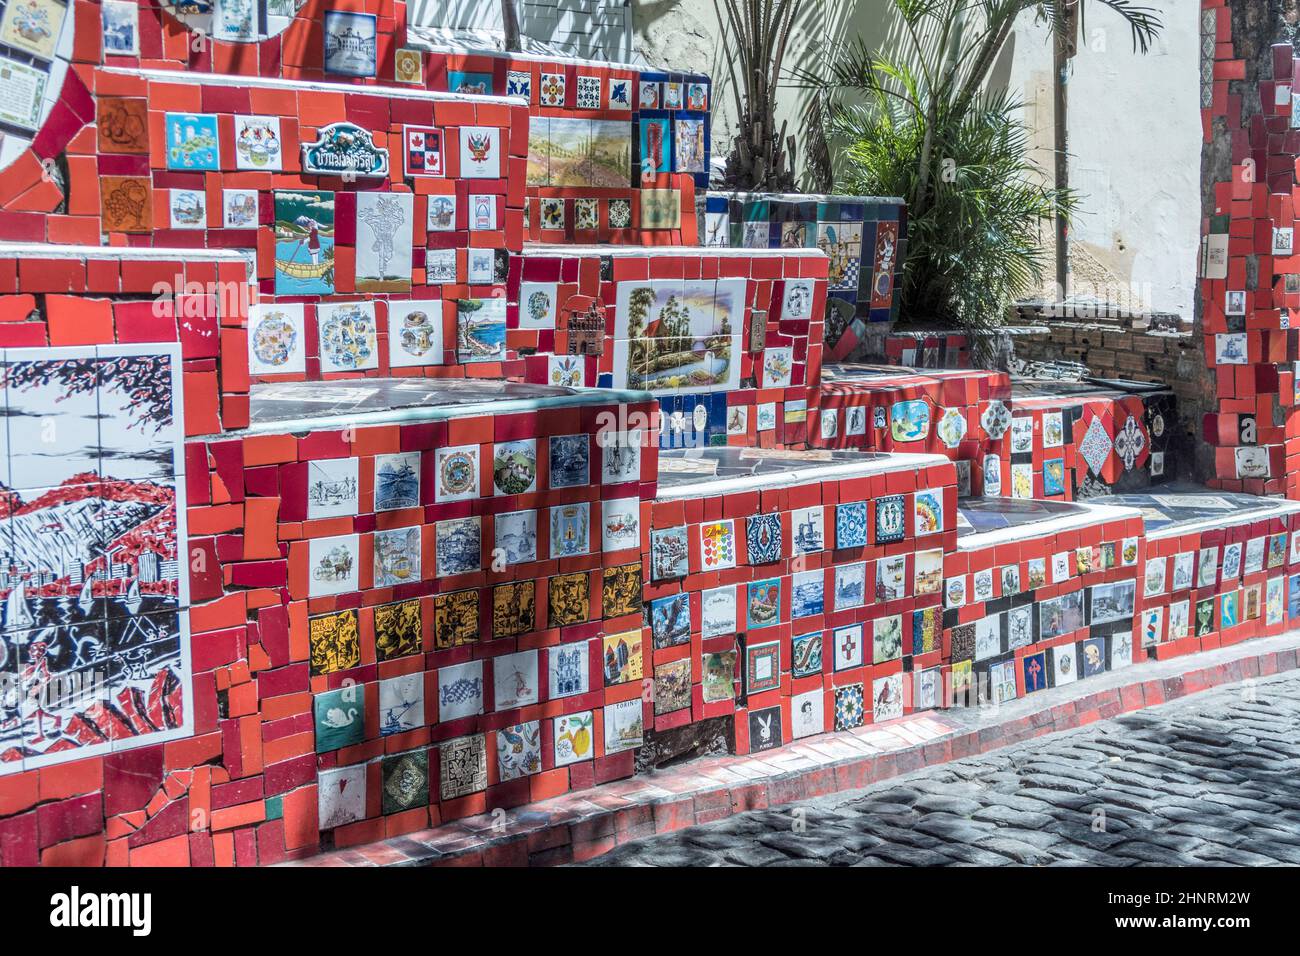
766,679
862,408
293,689
1014,587
1249,336
786,347
244,788
1021,446
1264,588
558,89
298,53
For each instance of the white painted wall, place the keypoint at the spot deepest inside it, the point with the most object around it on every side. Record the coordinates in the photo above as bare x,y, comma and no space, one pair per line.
1135,150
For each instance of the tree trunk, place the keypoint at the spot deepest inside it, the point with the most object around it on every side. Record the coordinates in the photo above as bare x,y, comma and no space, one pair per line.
1062,22
510,22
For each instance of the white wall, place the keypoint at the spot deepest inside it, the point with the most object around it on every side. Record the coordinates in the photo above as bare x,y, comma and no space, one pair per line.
1135,150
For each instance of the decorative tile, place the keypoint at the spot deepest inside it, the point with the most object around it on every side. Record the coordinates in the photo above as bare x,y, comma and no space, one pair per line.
763,538
851,525
567,672
516,536
588,95
570,530
887,697
569,599
513,608
408,66
1096,446
891,519
458,546
126,204
672,686
340,718
624,726
276,345
519,750
668,553
670,620
460,691
574,738
887,639
551,91
569,461
850,585
926,631
586,214
765,732
807,593
335,642
621,590
849,707
552,213
909,421
620,214
622,657
620,93
514,679
332,565
189,208
397,557
996,419
763,603
1130,441
350,43
341,795
399,628
397,481
480,152
462,766
808,531
849,651
455,618
718,682
519,83
401,704
762,667
192,142
348,335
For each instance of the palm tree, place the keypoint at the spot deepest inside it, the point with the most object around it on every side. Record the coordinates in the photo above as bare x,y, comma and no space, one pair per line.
762,157
948,72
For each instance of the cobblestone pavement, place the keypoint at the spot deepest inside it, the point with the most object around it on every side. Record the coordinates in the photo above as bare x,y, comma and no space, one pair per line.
1211,780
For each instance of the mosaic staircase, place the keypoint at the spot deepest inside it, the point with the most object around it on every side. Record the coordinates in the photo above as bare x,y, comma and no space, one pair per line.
436,464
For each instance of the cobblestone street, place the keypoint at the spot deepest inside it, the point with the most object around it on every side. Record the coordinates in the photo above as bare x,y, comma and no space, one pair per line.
1209,780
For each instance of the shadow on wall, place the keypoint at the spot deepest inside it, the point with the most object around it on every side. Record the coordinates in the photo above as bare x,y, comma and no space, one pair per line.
1000,75
593,29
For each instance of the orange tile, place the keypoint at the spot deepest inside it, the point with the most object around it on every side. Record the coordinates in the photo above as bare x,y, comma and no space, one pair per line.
79,320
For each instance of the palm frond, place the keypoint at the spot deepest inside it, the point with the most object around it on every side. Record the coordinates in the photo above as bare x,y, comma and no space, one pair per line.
1144,22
